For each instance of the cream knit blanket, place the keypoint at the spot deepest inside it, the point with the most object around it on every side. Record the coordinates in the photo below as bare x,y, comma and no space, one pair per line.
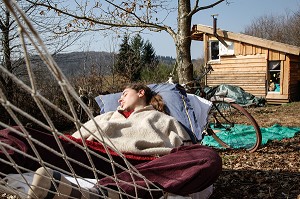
145,132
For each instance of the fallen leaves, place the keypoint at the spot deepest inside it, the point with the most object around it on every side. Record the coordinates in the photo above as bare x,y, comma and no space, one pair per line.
271,172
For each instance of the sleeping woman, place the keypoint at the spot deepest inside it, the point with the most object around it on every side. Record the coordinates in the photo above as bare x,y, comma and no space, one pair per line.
139,126
139,129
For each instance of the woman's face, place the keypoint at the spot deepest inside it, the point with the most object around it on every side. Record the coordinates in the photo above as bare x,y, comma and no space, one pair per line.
130,99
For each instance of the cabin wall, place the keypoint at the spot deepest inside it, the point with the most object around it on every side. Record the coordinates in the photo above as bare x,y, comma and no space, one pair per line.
247,72
294,84
248,69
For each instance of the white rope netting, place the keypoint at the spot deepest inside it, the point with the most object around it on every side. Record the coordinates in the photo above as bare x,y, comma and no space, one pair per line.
23,175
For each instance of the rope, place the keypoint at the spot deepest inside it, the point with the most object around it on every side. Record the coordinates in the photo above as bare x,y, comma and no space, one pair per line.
28,35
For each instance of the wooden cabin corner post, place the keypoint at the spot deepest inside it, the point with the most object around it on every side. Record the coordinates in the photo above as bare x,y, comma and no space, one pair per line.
206,53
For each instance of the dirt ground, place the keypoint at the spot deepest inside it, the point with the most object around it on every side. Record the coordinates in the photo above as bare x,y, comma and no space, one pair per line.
271,172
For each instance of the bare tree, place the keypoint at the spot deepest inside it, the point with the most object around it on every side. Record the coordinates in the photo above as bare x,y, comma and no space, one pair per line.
136,15
11,57
293,29
281,28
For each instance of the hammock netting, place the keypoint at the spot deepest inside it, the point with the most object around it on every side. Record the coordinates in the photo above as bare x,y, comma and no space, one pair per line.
49,174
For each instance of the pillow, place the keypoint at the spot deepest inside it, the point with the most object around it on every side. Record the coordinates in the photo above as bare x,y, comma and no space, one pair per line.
108,102
177,105
201,109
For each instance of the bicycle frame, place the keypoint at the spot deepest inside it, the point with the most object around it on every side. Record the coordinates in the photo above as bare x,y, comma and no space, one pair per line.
218,123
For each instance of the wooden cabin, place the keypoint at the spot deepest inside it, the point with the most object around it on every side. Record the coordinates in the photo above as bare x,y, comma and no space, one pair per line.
261,67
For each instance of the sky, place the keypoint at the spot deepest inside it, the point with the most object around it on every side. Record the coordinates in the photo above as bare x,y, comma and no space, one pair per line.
234,17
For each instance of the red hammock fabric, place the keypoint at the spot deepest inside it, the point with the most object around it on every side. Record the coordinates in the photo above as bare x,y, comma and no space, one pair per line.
99,147
72,151
6,138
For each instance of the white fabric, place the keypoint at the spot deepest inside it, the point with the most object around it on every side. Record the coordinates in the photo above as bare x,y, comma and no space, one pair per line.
201,108
204,194
145,132
18,183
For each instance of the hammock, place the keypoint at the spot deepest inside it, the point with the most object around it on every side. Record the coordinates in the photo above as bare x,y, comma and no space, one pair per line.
14,147
52,180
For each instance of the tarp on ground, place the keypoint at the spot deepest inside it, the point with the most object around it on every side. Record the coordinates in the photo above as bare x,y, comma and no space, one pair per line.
236,93
275,132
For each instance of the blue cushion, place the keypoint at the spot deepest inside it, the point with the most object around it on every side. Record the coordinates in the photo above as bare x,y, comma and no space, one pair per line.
177,103
108,102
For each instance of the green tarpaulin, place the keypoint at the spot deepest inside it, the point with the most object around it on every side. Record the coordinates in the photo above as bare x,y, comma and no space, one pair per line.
236,93
276,132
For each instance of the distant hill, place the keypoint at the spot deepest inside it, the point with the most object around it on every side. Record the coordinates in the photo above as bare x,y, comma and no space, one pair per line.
80,63
83,63
166,60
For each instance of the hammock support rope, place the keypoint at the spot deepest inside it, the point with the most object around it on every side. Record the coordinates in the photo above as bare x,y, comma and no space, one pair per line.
27,33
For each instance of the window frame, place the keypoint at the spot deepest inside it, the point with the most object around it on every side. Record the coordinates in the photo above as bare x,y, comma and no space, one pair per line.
210,50
271,78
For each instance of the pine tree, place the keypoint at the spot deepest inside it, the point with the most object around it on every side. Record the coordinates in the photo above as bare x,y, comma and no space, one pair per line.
137,44
125,58
135,56
149,59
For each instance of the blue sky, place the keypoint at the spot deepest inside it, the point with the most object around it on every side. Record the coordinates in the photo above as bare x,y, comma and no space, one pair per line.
234,17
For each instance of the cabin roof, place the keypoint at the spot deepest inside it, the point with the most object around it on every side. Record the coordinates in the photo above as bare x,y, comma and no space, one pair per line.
198,31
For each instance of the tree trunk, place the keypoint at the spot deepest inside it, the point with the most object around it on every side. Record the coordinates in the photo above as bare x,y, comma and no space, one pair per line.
183,42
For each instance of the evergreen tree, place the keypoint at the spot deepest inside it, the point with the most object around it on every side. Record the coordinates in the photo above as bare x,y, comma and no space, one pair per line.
149,58
125,59
134,57
137,44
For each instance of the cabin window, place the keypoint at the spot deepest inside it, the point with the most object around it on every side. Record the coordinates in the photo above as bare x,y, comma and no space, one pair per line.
214,50
274,76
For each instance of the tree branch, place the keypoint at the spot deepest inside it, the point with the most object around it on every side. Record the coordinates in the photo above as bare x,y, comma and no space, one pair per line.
197,9
142,23
1,25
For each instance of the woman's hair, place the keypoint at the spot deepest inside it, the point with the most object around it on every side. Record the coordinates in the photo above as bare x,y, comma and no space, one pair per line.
152,98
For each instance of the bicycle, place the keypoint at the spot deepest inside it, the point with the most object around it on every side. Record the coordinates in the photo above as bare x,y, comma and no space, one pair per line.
227,120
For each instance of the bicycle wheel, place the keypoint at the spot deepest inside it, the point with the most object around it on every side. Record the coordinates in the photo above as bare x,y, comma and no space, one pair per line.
233,127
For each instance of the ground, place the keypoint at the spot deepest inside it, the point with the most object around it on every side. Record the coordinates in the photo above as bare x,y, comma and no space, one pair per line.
271,172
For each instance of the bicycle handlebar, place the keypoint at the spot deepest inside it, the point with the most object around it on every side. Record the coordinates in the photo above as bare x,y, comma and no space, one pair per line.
207,70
